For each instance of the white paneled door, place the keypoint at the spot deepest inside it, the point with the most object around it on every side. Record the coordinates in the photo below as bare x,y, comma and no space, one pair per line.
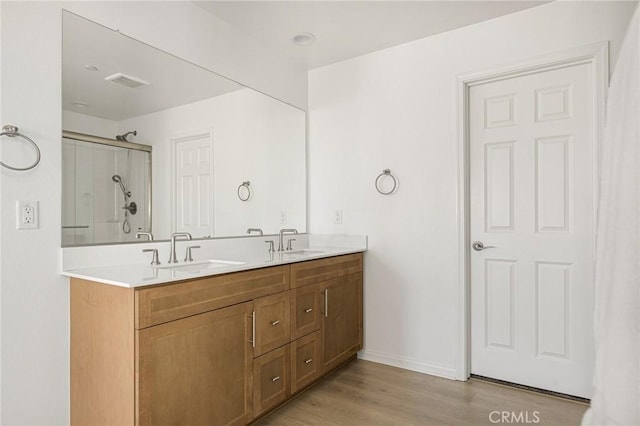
193,185
532,207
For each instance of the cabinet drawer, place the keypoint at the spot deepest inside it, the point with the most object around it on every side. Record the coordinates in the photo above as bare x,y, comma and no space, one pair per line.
162,304
272,316
306,364
305,310
314,271
271,379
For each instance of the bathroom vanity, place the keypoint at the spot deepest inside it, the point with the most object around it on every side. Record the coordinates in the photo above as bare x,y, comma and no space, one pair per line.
213,350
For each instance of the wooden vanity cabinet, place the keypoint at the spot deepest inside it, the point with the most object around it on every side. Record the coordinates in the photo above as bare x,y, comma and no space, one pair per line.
220,350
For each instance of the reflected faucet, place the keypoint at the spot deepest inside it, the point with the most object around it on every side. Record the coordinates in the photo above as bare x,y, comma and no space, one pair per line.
149,235
175,236
256,230
285,231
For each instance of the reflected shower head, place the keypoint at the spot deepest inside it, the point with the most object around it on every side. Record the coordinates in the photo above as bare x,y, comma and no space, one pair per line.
118,179
123,137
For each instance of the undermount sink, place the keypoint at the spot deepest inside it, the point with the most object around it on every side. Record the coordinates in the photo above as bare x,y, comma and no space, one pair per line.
199,265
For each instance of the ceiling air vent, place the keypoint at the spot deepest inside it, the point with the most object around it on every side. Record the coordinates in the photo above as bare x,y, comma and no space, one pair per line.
126,80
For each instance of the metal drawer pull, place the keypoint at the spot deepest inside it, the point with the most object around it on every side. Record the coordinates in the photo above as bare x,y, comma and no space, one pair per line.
253,329
326,302
276,322
275,379
308,361
306,311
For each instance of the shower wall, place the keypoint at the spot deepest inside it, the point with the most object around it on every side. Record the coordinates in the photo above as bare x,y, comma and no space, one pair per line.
92,203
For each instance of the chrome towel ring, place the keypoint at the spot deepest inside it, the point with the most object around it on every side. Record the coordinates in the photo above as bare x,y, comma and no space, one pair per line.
12,132
245,194
386,172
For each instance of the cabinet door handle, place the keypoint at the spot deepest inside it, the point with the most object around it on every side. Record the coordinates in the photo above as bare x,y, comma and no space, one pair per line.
275,379
326,302
274,323
253,329
306,311
308,361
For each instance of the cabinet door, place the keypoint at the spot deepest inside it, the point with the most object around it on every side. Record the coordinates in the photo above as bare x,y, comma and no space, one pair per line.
305,310
272,384
197,370
342,319
306,360
272,322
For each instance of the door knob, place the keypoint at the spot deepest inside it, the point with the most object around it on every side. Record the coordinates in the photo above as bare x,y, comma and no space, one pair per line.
479,246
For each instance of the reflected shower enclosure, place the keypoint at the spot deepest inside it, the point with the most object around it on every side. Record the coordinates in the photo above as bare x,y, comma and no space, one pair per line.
106,190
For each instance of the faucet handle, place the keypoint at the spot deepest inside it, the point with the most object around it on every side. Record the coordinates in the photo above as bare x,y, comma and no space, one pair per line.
289,246
271,248
188,257
155,260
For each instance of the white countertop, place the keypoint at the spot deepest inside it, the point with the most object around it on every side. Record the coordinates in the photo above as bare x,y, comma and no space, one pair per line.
137,275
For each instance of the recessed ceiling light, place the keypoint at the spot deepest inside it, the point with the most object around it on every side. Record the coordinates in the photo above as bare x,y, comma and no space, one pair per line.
91,67
304,39
80,104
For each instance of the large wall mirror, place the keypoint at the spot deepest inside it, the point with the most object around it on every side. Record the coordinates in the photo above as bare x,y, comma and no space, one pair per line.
152,143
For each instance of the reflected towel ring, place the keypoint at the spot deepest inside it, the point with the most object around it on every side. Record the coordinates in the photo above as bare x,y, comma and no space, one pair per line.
12,132
246,184
386,172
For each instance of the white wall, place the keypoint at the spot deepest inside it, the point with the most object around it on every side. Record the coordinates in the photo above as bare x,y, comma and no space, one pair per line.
255,138
397,109
83,123
35,298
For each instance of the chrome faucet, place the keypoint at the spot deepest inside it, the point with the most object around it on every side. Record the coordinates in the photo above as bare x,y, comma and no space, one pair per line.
175,236
256,230
149,235
285,231
154,260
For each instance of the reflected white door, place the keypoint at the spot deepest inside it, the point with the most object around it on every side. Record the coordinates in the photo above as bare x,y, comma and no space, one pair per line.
193,185
532,197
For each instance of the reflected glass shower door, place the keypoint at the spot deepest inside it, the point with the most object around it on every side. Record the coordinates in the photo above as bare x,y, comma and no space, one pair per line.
96,208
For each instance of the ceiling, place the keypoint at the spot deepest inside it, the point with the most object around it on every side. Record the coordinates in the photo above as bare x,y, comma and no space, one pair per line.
346,29
173,81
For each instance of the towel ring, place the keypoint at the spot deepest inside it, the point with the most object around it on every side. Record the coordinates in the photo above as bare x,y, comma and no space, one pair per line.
386,172
246,184
12,132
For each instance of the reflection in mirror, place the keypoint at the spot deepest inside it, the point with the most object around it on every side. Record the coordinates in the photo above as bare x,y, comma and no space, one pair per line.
209,135
106,190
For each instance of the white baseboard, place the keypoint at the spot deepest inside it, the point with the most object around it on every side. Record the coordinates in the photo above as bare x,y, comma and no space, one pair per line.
408,364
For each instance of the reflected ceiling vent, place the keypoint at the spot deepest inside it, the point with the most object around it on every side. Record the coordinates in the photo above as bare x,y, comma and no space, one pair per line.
127,80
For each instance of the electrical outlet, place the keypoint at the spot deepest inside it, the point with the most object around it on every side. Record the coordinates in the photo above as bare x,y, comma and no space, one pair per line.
26,214
337,217
283,217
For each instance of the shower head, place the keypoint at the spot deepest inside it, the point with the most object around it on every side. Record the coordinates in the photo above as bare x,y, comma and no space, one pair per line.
118,179
123,137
